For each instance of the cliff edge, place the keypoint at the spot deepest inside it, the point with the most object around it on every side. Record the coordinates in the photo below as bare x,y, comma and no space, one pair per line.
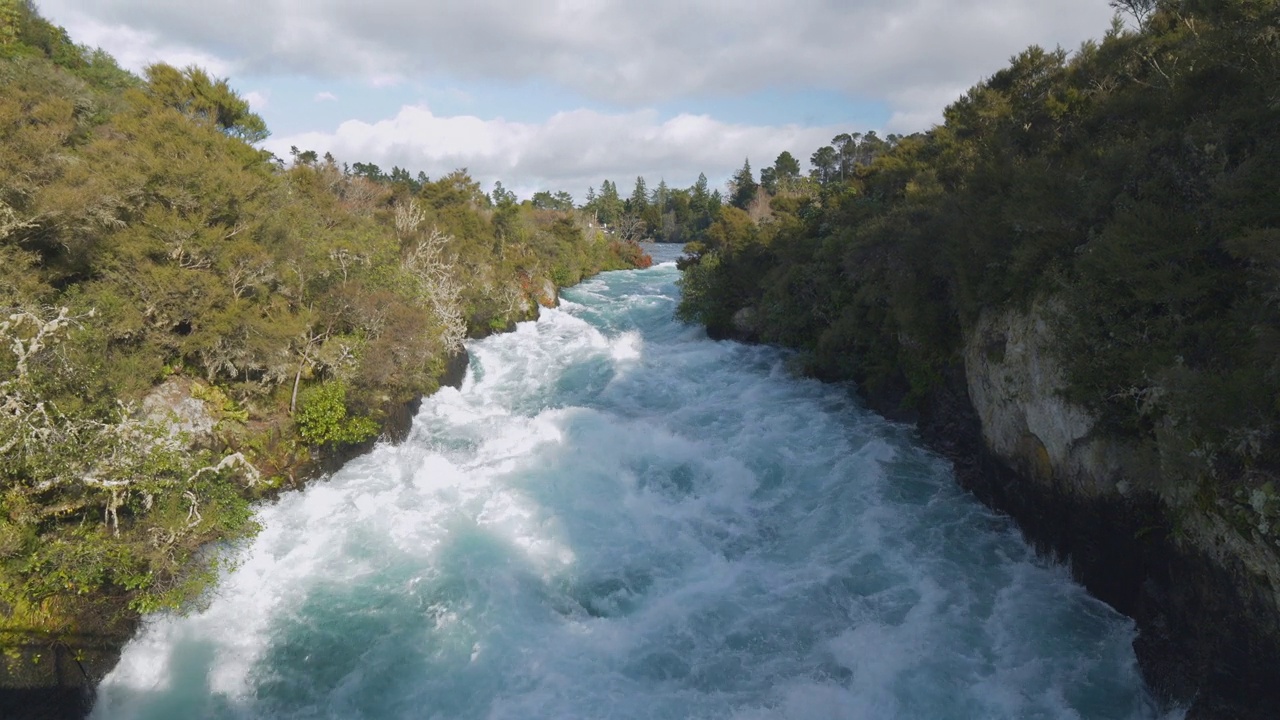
1203,587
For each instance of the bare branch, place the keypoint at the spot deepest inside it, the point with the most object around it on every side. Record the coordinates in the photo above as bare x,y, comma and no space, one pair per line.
25,345
439,284
9,221
233,460
1141,10
112,452
408,217
236,230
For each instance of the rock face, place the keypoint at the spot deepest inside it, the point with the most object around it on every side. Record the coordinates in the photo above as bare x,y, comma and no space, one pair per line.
1205,596
172,405
744,326
547,294
1014,384
55,678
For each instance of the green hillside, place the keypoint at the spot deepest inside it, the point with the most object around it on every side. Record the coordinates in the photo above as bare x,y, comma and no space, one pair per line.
188,324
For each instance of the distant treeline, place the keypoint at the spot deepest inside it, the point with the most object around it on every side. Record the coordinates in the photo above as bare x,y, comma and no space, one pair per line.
663,214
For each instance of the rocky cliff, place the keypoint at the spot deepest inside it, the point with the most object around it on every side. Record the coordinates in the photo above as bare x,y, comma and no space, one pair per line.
1203,586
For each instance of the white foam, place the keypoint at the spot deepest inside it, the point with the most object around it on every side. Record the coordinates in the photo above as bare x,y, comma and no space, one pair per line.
615,515
627,346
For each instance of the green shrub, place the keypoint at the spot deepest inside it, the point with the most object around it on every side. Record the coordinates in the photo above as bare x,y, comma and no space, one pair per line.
322,417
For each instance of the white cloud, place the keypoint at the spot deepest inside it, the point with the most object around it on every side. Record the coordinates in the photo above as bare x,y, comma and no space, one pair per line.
914,56
326,96
258,100
570,151
133,46
619,51
920,106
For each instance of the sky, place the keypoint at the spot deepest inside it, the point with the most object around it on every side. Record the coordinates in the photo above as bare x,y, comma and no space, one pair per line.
562,94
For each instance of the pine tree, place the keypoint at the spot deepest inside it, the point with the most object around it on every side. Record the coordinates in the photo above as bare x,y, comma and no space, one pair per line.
743,187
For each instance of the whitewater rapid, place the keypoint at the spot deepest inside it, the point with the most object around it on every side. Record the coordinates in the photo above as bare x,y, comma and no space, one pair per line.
616,517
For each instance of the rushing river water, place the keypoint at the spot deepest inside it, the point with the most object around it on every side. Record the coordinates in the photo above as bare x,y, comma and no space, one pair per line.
619,518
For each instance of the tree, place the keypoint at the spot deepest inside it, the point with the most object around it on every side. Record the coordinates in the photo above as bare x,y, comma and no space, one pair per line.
871,147
825,164
506,214
785,172
654,207
715,203
502,196
400,176
1141,10
743,187
631,228
10,18
545,200
786,167
542,200
660,195
846,146
700,206
609,206
201,98
700,194
368,171
769,180
639,200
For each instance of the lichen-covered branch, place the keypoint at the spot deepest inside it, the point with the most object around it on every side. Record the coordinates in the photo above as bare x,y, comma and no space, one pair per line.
440,284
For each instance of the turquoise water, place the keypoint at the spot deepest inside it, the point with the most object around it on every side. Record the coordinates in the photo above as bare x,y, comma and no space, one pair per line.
619,518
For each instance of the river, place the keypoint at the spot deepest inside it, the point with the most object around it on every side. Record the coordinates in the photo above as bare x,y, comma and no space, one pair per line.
616,517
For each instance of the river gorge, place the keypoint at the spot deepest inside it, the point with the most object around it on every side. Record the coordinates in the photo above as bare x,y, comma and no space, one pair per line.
615,516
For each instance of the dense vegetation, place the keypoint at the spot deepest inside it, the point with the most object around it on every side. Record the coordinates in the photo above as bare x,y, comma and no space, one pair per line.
150,258
664,214
1128,190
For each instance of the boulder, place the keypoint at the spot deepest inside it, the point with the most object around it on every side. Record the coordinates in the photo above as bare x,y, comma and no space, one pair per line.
172,404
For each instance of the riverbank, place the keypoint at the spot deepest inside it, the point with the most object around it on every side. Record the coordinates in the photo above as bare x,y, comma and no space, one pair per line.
54,675
189,324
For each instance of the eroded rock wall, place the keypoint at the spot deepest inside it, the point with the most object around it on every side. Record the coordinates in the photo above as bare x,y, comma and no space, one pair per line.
1205,595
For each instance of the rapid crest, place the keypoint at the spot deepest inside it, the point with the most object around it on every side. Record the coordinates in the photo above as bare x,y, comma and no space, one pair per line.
617,517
